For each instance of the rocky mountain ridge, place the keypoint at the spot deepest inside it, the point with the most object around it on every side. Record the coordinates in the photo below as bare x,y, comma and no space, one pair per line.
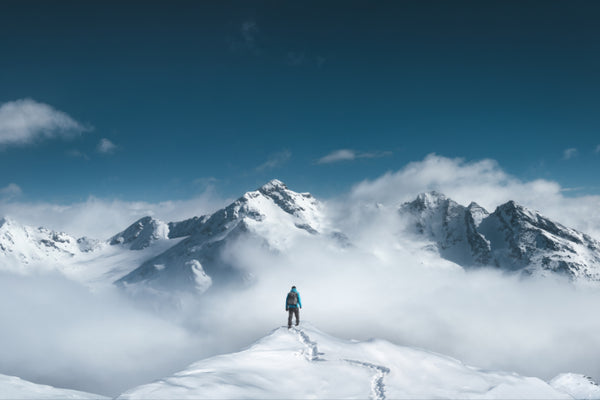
512,238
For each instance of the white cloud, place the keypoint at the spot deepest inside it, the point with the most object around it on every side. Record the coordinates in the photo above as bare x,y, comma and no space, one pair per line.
77,154
484,182
10,191
569,153
105,146
338,155
102,218
350,155
25,121
275,160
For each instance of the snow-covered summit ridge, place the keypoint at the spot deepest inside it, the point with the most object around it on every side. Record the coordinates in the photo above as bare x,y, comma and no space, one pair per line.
374,369
452,226
142,233
22,244
577,385
513,237
273,215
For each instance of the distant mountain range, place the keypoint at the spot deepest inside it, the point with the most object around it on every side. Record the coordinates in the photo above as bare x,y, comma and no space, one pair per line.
511,238
188,255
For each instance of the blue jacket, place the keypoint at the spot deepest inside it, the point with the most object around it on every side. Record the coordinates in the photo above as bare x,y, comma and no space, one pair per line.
293,305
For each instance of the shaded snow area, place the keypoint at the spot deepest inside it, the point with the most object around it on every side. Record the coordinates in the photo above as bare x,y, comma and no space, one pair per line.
307,363
13,388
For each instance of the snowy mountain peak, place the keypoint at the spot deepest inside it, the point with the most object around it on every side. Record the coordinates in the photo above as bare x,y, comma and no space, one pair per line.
513,237
142,233
272,215
477,212
427,200
450,225
21,244
273,185
9,223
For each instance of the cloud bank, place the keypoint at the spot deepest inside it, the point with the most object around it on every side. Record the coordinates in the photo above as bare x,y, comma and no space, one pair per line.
388,285
101,218
25,121
484,182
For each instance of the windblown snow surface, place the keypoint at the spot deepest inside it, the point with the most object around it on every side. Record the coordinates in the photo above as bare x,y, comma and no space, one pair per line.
13,388
304,363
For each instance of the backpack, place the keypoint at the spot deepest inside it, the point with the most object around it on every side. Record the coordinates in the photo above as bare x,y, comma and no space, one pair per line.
292,299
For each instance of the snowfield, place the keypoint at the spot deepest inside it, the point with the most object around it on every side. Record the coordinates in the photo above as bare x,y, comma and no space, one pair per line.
13,388
305,363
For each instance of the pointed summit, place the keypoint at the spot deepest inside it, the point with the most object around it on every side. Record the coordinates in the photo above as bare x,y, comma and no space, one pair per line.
273,185
142,233
477,212
272,216
449,224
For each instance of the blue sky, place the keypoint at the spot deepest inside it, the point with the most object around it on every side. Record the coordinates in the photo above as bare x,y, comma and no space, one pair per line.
154,101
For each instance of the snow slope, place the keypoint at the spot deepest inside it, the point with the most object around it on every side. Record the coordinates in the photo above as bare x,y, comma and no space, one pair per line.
307,363
22,245
13,388
142,233
26,250
576,385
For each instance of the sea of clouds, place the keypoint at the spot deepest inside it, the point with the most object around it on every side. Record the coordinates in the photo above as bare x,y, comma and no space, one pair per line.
388,284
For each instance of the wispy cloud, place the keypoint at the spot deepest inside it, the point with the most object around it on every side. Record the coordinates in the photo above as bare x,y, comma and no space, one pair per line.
245,38
350,155
275,160
249,31
77,154
294,58
11,191
25,121
105,146
597,149
569,153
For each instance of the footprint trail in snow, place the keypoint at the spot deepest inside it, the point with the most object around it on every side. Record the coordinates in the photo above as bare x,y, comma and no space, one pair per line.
311,353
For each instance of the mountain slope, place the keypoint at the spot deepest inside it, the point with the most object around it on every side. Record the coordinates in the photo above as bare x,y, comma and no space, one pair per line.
307,363
525,240
13,388
512,238
452,226
272,215
141,233
22,245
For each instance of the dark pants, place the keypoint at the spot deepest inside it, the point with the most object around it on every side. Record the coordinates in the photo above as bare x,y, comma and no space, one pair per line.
293,311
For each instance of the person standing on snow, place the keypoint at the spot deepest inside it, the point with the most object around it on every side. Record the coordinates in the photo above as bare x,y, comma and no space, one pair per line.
293,306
